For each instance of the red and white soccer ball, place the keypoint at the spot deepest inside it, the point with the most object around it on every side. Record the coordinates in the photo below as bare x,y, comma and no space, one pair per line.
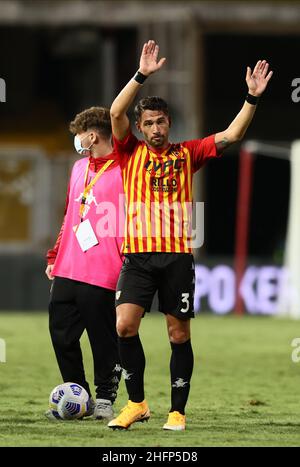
68,401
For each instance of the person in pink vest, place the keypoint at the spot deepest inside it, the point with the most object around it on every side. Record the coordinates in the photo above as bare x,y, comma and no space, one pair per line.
85,262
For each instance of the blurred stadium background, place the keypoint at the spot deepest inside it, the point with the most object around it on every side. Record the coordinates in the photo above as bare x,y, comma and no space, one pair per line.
59,57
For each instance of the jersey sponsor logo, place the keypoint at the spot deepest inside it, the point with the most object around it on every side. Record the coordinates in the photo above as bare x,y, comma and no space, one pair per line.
163,168
165,185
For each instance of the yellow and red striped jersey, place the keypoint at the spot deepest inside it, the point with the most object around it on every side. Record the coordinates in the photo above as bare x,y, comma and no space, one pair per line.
158,191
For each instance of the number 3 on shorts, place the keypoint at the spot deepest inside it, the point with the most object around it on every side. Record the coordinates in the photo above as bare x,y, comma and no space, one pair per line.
185,299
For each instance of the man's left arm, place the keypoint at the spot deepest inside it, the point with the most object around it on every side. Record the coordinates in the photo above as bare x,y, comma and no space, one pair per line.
257,83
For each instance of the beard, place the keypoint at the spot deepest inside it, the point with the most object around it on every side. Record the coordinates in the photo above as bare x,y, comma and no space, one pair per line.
157,141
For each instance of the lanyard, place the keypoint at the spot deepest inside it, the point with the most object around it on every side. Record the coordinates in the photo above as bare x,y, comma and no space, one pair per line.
88,187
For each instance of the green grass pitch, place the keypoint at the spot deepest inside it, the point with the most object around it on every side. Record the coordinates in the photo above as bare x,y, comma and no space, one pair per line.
245,387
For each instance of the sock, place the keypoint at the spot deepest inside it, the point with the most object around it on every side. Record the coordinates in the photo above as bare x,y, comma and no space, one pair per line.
181,367
133,363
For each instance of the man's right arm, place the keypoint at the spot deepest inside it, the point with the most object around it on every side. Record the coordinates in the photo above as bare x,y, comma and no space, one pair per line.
119,120
51,254
121,104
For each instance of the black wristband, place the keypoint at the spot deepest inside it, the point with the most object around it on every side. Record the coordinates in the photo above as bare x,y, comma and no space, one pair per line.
139,77
252,99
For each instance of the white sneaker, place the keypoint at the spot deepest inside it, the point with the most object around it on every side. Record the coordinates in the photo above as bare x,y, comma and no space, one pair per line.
103,410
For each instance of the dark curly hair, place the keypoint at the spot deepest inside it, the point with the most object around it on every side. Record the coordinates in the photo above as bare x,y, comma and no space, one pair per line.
150,103
94,118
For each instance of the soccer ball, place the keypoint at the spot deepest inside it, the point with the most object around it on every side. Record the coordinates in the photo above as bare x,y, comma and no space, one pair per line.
54,398
68,401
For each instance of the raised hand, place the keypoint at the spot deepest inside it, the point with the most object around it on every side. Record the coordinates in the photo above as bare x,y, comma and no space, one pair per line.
258,80
149,57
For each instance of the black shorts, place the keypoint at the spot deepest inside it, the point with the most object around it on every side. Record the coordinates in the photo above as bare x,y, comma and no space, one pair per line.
171,274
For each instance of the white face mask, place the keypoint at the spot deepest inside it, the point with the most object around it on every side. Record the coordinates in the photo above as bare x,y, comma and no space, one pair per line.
79,148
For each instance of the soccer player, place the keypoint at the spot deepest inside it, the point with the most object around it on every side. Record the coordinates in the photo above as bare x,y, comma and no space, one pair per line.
157,178
85,264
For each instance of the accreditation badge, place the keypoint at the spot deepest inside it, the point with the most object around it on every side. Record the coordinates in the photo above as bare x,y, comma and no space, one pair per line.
85,235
